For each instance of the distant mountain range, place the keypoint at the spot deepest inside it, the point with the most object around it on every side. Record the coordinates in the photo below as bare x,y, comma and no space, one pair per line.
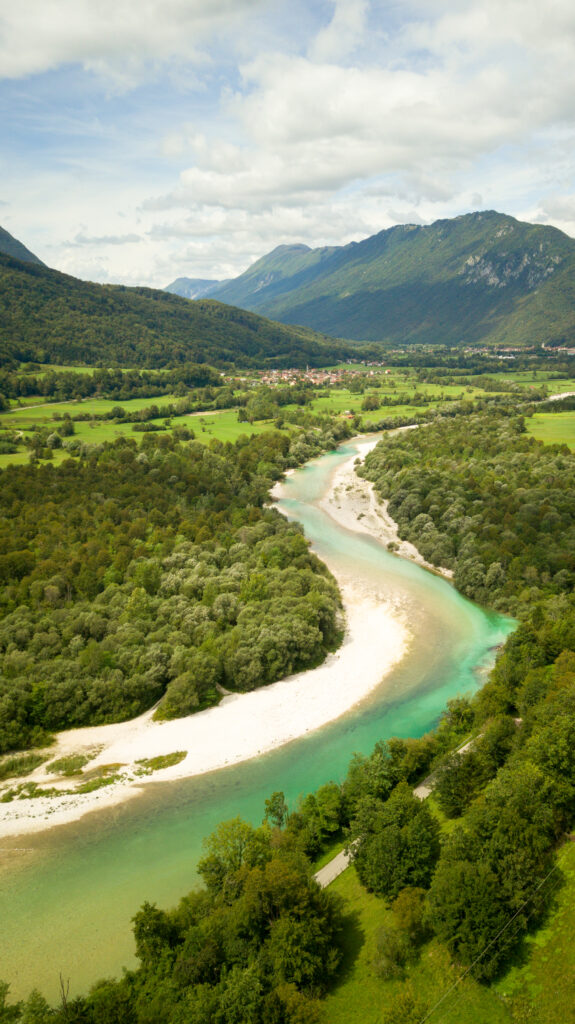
193,287
483,278
10,246
46,316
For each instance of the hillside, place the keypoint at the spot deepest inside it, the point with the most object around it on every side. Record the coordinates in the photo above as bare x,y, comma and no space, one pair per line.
483,278
10,246
47,316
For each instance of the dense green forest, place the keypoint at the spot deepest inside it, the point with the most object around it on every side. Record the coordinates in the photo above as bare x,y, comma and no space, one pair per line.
46,316
479,496
138,574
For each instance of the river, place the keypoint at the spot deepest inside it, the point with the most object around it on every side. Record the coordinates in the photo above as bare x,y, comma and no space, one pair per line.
67,895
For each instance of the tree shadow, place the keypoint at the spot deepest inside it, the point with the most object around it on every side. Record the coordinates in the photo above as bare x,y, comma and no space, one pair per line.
353,937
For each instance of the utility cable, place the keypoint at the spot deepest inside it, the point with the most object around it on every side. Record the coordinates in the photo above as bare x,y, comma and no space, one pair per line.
488,946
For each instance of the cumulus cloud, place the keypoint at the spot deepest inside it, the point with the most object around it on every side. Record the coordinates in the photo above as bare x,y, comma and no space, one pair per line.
344,32
324,121
559,209
116,38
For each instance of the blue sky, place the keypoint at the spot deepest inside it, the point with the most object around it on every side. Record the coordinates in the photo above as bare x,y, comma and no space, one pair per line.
144,140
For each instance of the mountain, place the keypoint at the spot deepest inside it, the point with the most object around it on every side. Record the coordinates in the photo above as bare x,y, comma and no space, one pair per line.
482,278
10,246
46,316
193,287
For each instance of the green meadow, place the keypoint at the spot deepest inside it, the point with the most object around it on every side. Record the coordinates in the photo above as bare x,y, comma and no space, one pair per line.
541,987
553,427
19,418
361,996
545,963
35,413
220,425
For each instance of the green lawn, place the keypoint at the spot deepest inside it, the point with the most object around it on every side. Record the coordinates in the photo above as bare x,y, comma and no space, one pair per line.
361,997
538,988
342,399
61,368
553,427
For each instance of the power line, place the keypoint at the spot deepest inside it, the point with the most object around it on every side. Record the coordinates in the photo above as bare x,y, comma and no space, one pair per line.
488,946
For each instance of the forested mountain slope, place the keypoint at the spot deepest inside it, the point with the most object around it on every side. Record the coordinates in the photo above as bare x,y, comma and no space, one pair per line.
481,278
46,316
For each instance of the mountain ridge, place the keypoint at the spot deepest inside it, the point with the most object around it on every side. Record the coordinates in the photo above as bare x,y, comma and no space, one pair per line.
480,278
193,287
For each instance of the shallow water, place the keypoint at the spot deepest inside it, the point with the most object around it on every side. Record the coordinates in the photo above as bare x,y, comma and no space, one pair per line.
67,896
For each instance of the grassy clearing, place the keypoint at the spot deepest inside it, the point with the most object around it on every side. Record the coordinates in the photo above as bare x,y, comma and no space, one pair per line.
18,403
341,400
553,428
361,997
535,378
19,419
541,989
222,425
61,368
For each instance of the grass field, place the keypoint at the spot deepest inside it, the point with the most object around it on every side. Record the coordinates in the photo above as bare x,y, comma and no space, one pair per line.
541,989
553,427
535,378
61,368
20,418
538,988
361,997
222,426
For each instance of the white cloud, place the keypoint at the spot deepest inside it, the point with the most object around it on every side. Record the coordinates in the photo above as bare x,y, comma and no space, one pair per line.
341,119
557,209
115,38
344,32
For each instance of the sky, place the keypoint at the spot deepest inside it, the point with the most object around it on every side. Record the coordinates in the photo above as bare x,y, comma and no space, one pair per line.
144,140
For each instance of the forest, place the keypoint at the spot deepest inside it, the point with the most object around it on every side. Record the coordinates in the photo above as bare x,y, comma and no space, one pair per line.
49,317
137,575
485,500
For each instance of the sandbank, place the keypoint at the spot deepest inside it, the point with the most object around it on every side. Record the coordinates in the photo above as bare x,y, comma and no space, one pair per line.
242,726
351,501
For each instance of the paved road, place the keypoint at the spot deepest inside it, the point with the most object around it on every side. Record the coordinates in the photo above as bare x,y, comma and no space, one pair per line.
335,867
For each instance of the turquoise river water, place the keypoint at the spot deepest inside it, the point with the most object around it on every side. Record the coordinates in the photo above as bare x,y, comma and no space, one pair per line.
67,895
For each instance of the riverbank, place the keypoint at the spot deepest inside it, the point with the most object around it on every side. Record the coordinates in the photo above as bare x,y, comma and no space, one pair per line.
243,726
351,501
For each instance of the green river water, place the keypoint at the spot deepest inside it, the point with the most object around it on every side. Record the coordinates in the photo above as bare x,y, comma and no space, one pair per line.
67,895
